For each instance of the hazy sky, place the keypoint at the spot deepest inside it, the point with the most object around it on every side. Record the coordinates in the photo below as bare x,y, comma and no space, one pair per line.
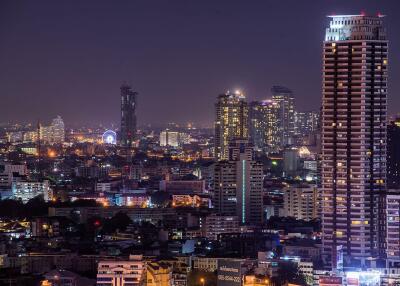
70,57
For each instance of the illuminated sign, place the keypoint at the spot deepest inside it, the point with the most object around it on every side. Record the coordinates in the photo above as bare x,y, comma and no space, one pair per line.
330,281
363,278
229,272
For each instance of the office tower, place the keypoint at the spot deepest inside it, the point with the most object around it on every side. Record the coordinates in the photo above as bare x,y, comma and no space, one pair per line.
169,138
354,105
238,184
54,133
231,112
393,154
301,202
283,97
264,129
128,116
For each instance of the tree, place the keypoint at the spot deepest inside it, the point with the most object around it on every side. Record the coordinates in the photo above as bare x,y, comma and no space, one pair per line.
288,272
119,221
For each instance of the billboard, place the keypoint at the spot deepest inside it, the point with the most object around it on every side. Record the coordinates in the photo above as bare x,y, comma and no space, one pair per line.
229,272
330,281
363,278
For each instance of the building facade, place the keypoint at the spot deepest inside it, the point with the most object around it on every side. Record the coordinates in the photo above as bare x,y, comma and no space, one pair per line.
355,53
119,273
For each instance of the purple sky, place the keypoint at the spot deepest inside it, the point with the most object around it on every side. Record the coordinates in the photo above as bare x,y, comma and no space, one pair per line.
70,57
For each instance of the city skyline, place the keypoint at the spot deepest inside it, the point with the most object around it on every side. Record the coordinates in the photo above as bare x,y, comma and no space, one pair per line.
41,58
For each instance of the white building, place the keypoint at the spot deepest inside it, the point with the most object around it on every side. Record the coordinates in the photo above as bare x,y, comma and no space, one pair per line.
130,272
169,138
26,190
301,202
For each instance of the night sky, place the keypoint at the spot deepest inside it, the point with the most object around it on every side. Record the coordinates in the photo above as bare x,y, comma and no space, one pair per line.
70,57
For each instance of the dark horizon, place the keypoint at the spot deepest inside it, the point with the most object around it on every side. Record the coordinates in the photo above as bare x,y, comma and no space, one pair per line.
70,58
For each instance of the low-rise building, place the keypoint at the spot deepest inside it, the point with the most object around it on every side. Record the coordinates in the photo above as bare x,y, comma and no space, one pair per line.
130,272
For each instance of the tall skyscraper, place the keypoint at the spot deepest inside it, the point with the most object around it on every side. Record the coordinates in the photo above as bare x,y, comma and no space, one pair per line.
238,184
128,116
264,129
231,116
393,154
355,53
283,97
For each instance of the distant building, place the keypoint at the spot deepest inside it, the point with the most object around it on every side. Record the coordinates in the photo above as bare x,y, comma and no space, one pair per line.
264,128
54,133
169,138
182,186
231,122
128,116
238,184
283,97
159,274
122,272
26,190
301,202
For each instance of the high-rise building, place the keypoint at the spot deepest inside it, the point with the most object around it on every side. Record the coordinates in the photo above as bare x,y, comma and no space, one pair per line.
393,154
264,129
128,116
231,115
283,97
54,133
355,58
238,184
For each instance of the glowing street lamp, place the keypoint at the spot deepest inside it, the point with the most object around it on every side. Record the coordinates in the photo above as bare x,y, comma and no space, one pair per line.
202,281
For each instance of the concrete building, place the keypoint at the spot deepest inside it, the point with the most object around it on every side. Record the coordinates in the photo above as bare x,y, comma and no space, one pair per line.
301,202
159,274
122,272
231,122
217,224
354,109
238,184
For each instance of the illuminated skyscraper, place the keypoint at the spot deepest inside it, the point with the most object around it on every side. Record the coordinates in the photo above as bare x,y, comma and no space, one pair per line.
238,184
283,97
355,53
264,129
230,122
128,116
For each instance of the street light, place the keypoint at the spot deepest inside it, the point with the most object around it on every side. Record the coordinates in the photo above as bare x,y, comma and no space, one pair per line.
202,281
